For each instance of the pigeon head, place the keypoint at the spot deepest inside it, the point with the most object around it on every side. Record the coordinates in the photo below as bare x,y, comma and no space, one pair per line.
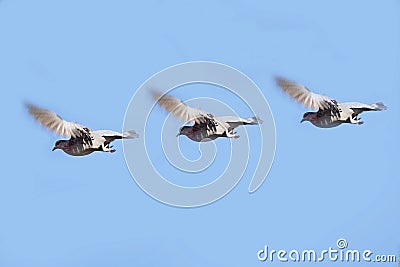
307,116
59,144
184,130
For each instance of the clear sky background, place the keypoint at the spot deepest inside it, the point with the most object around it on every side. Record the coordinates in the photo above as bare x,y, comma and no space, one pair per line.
85,59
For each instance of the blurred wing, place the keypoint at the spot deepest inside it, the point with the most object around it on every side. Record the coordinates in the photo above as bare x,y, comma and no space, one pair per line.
304,96
55,123
179,109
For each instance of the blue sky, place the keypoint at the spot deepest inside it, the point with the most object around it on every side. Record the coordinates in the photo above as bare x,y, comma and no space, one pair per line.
85,59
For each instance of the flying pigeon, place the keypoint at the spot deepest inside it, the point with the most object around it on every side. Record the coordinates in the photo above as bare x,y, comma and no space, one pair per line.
206,127
330,112
83,140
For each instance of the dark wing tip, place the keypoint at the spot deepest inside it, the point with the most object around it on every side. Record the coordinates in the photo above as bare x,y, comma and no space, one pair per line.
30,107
286,83
280,80
33,109
155,94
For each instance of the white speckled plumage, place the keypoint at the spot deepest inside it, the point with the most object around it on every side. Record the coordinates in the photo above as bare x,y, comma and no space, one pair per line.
206,127
330,112
83,140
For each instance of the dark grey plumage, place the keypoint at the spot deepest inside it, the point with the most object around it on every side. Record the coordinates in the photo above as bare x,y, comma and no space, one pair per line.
83,140
330,112
206,126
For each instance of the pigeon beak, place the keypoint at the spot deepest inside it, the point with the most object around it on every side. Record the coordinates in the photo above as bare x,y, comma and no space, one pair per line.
178,134
54,148
302,120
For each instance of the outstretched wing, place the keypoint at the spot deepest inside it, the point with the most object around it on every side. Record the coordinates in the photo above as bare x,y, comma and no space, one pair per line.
304,96
182,111
55,123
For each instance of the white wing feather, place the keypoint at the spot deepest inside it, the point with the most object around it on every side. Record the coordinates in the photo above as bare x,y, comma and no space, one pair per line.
179,109
55,123
304,96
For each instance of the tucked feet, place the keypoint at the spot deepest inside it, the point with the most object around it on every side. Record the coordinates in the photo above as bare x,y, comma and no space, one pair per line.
110,150
356,120
233,136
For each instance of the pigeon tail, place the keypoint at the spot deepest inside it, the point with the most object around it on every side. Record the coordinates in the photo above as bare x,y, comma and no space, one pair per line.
130,134
254,120
379,106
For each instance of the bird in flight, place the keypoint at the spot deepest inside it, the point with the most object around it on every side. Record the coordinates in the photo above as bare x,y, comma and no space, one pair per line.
206,126
330,112
83,140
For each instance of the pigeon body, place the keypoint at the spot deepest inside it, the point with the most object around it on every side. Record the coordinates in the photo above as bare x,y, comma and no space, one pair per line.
330,112
83,140
206,127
